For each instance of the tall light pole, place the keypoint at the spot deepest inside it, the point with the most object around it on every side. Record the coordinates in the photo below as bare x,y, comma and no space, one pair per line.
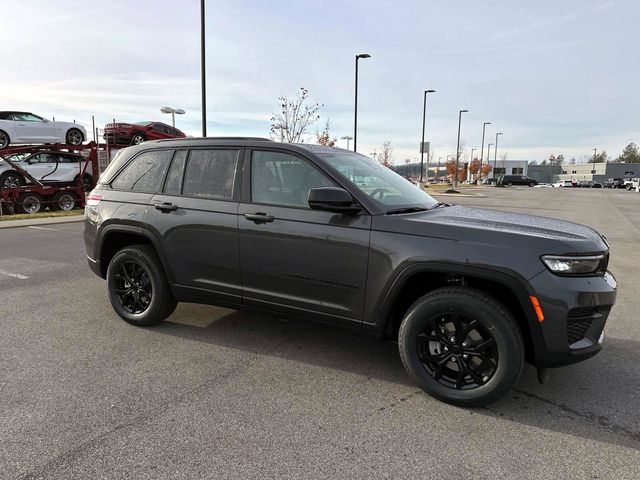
489,156
438,171
347,138
495,153
355,114
455,184
484,126
470,160
203,79
424,120
173,112
595,151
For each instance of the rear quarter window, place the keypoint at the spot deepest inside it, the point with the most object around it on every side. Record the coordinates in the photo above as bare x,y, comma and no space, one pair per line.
145,173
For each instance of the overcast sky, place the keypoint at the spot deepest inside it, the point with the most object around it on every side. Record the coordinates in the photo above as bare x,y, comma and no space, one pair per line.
554,76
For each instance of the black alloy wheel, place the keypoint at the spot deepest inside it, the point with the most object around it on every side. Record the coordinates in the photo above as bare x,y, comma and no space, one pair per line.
11,180
137,139
74,137
461,346
133,287
138,287
457,351
4,140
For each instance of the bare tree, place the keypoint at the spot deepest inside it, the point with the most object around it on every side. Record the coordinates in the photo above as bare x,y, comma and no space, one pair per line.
295,117
386,155
324,138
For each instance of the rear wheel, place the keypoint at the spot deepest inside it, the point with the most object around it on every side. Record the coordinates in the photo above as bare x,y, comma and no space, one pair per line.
137,139
461,346
11,180
74,137
63,201
4,139
532,184
509,184
138,288
30,203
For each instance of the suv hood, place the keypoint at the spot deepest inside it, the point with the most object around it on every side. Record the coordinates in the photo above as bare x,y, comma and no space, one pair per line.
497,227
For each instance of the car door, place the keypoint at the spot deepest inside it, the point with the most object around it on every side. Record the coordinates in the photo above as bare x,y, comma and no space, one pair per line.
41,165
195,218
292,258
33,129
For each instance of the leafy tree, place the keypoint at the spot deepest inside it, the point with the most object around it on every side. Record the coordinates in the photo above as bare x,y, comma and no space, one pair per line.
324,138
533,162
573,161
295,117
543,162
474,166
630,154
600,158
486,169
559,159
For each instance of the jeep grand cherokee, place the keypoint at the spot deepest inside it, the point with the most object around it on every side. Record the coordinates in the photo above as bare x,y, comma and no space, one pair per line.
325,234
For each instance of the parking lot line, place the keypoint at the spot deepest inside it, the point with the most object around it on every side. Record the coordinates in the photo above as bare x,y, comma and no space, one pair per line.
14,275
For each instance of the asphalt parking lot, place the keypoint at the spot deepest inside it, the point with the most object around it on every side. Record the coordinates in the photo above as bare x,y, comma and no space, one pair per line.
217,393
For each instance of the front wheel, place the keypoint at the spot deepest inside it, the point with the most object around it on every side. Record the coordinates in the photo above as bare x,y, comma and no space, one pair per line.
74,137
509,184
138,287
461,346
532,184
11,180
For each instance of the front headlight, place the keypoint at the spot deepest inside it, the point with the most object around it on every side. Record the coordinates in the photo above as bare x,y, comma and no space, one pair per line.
569,265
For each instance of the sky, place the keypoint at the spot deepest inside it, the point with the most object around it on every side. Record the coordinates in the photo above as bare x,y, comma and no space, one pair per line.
556,77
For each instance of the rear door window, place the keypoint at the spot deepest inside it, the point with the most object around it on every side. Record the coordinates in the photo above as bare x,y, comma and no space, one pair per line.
144,173
173,184
211,174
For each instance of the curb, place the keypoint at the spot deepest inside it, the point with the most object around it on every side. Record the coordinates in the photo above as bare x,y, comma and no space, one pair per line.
40,221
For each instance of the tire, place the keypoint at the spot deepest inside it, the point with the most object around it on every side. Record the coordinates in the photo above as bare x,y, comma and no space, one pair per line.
74,137
137,139
4,140
496,365
63,201
509,184
11,180
532,184
30,203
628,187
87,182
138,271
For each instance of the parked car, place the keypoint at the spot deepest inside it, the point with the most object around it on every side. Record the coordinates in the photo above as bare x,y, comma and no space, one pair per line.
614,183
564,184
629,183
50,167
589,184
543,185
135,133
284,228
27,128
510,180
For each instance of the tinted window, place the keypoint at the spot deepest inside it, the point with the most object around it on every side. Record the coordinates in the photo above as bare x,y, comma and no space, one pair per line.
144,173
210,174
282,179
173,184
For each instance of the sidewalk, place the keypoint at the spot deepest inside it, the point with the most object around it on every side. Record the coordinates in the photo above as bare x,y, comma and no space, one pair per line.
27,222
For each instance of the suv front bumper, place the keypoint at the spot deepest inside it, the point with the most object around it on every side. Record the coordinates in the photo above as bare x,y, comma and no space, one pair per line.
575,312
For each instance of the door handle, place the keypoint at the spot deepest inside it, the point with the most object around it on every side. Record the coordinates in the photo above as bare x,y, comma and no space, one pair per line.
259,217
166,207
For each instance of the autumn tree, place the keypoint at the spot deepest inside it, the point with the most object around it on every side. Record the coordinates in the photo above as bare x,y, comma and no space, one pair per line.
386,154
324,138
486,170
295,117
474,166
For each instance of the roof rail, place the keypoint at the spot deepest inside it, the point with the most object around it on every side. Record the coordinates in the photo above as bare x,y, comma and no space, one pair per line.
256,139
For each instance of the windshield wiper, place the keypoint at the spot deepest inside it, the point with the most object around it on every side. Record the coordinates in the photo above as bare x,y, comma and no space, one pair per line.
406,210
439,204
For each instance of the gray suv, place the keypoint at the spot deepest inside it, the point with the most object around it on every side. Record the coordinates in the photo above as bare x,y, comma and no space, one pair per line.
305,231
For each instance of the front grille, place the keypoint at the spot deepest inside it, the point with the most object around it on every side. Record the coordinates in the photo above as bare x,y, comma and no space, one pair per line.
577,330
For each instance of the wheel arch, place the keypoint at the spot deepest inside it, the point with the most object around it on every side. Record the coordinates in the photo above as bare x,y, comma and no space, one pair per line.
417,280
116,237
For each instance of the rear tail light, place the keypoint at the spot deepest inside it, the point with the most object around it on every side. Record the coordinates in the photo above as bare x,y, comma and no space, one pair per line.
93,201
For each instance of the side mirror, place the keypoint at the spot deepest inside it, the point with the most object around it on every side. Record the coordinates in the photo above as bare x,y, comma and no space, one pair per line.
332,199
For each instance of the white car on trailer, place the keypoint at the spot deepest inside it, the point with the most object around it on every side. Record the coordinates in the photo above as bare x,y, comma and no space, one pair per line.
27,128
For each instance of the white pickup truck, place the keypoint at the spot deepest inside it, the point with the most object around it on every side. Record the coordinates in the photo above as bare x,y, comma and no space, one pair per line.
631,183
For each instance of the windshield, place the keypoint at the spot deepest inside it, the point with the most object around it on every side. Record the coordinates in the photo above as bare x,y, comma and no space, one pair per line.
388,189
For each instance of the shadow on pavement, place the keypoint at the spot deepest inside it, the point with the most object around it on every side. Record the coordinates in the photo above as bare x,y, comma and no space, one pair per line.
597,399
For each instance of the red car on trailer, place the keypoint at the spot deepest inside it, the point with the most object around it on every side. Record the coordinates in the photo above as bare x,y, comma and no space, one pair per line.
134,133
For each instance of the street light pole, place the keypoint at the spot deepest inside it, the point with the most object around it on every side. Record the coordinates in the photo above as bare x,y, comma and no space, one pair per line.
355,114
173,112
347,138
484,126
595,151
470,160
455,183
489,156
495,153
203,79
424,120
